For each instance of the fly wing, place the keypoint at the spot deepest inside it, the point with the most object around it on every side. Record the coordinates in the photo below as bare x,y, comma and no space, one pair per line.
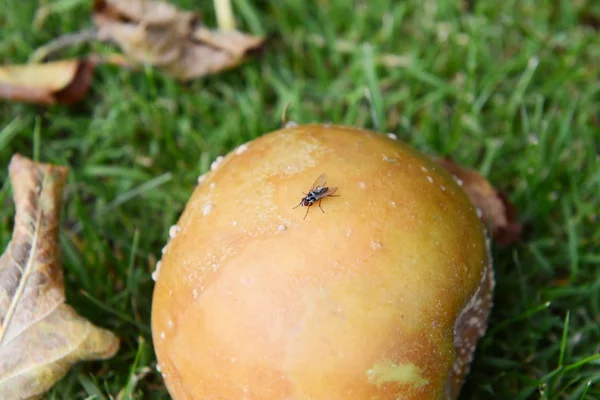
330,191
320,182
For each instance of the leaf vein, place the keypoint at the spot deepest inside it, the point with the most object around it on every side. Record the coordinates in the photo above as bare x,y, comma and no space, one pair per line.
27,272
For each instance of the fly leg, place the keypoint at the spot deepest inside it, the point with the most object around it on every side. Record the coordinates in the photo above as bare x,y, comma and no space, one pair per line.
307,208
320,206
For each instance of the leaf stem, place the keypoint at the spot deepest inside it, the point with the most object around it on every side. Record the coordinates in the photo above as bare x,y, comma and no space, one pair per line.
225,19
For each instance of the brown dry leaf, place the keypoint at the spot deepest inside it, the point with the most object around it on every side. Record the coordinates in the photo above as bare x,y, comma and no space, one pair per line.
156,33
496,210
64,82
41,337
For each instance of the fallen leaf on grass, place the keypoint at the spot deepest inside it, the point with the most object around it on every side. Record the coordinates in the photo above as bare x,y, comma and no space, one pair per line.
156,33
41,337
64,82
497,212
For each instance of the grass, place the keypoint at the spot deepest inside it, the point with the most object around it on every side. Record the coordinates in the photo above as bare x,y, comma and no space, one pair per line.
510,88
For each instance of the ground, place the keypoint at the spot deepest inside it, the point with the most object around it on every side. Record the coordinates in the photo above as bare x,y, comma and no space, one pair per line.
509,88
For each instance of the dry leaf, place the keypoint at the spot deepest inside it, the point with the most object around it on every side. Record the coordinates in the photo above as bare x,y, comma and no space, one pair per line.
496,210
41,337
46,83
156,33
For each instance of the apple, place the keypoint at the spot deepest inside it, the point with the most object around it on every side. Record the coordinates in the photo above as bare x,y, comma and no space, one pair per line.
379,293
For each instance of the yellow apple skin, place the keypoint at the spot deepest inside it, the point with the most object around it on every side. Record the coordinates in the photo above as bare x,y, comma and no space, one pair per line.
360,302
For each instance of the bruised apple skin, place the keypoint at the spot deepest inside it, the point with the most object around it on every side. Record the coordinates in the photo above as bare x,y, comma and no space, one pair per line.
383,296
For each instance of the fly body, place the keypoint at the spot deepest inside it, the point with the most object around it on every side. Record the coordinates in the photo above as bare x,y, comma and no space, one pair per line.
318,191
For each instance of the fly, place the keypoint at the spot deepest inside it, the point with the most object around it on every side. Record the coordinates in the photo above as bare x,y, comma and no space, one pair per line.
318,191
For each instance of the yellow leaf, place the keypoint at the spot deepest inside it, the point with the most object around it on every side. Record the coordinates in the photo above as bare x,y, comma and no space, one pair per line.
46,83
41,337
156,33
